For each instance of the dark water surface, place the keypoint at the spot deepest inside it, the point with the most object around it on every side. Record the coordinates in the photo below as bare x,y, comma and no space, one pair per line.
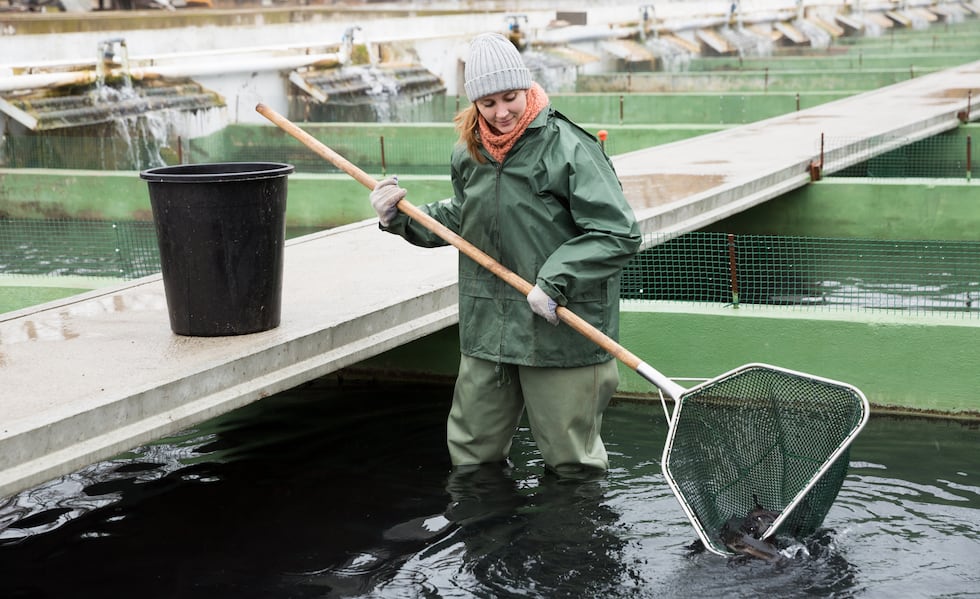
345,492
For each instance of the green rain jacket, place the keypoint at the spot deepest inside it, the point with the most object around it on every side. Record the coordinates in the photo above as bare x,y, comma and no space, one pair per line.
554,213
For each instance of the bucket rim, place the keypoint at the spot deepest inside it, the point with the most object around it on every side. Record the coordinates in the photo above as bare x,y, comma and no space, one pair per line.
213,172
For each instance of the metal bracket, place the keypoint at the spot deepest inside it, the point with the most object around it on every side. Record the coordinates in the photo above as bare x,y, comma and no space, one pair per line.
816,166
816,170
964,115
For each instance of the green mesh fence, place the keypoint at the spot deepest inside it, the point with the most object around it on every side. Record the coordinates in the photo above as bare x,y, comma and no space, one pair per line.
809,273
940,277
78,248
949,155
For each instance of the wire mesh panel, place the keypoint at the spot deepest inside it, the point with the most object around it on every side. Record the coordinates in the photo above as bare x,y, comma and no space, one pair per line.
916,276
948,155
766,436
799,273
61,247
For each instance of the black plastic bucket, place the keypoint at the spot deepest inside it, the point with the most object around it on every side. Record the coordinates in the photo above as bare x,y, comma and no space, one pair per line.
221,232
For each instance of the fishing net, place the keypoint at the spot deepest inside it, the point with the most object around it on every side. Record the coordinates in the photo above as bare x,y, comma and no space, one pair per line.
761,436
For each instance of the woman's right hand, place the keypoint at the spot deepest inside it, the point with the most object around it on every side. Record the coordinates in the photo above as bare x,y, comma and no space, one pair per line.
542,305
385,198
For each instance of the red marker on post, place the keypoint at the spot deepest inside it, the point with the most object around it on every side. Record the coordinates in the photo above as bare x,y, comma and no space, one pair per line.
603,134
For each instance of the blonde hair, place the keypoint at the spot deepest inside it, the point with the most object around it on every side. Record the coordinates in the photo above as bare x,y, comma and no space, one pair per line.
467,126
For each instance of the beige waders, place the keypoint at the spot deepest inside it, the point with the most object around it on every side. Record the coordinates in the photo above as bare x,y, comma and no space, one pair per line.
564,407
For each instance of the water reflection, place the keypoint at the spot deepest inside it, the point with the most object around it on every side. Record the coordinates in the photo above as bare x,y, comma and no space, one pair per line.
323,492
57,502
60,326
511,535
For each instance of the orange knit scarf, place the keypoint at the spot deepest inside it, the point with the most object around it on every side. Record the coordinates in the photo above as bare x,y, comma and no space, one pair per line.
498,144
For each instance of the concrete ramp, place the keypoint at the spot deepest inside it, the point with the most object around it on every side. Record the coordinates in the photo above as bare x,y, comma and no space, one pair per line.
715,41
791,32
851,24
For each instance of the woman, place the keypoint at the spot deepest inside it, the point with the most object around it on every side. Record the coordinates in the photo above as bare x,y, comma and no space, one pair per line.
535,192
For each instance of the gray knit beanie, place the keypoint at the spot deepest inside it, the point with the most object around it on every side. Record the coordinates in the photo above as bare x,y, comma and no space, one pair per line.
494,65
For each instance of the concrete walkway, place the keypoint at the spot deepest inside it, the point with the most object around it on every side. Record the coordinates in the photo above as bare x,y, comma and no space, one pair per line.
688,184
88,377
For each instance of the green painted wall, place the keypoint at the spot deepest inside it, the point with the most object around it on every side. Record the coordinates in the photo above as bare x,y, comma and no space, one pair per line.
433,356
868,209
313,200
862,208
408,148
853,59
84,195
901,364
898,363
14,296
764,80
720,107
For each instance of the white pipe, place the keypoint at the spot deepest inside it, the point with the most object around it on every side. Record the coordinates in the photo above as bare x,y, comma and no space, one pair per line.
37,80
272,63
197,55
581,33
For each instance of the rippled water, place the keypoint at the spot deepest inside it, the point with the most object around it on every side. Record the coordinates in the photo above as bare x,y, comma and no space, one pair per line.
325,492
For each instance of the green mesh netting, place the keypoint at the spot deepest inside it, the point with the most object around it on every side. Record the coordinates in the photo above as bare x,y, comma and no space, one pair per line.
61,247
798,273
765,434
808,273
947,155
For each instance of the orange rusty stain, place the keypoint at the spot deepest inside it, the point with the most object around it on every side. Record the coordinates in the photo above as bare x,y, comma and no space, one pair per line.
646,191
955,93
66,330
799,118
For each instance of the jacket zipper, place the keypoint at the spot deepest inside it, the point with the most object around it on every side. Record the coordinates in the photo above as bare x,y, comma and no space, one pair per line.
500,254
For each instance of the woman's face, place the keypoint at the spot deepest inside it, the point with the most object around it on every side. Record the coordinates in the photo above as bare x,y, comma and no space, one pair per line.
503,110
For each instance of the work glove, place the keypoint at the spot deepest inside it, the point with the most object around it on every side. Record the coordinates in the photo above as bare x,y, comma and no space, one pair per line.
385,197
542,305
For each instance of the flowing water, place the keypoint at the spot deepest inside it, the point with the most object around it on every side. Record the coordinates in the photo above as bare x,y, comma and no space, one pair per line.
327,491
